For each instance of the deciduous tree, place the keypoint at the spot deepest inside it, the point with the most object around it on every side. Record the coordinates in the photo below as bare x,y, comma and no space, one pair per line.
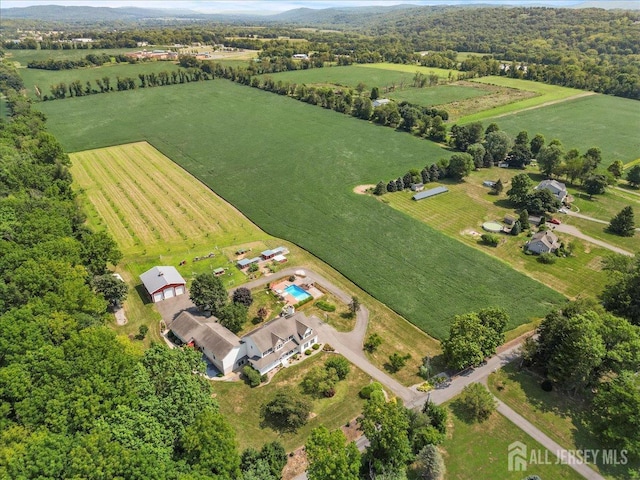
208,293
477,402
331,457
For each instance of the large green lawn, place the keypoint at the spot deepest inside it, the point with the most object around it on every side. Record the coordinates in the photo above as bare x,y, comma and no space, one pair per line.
611,123
563,418
291,168
480,450
241,404
43,79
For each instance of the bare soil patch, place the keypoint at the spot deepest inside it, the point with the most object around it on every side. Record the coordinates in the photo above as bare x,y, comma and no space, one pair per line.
362,189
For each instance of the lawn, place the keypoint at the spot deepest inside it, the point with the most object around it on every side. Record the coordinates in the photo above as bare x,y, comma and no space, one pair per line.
543,94
561,417
292,173
241,404
480,450
611,123
462,211
226,231
44,79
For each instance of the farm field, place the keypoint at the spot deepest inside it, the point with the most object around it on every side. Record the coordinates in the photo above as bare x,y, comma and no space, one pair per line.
485,446
412,69
461,212
556,414
241,404
611,123
43,79
543,94
225,228
266,172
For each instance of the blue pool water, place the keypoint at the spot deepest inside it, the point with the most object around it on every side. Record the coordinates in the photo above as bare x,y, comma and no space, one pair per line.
296,292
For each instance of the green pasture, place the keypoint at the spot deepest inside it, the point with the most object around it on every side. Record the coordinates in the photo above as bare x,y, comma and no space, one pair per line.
563,418
44,79
371,75
544,94
412,69
480,450
611,123
438,95
291,168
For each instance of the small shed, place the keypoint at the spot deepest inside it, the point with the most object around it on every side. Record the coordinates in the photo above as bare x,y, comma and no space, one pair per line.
280,258
430,193
242,251
218,271
417,187
509,220
488,183
379,102
163,282
245,262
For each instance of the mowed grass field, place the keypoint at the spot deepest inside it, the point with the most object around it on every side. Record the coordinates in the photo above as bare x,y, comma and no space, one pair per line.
148,203
44,79
371,75
480,450
543,94
23,57
611,123
437,95
291,168
461,212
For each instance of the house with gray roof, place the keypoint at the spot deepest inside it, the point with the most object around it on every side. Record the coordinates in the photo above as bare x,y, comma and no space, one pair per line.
270,345
222,347
543,242
558,189
265,348
163,282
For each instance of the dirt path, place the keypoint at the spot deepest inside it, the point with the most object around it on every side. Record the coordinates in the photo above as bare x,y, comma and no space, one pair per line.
546,104
362,189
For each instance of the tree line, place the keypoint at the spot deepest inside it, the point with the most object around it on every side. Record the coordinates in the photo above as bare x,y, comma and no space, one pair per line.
107,84
90,60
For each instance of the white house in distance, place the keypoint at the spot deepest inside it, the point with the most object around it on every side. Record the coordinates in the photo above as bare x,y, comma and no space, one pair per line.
163,282
265,348
558,189
543,242
379,102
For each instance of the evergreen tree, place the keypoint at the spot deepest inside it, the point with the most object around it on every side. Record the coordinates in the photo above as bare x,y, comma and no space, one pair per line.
497,188
391,186
623,223
524,219
380,188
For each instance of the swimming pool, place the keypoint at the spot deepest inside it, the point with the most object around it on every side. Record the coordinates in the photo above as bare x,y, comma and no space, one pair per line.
296,292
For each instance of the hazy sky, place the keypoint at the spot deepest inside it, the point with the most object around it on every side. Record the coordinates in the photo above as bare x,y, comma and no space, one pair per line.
261,6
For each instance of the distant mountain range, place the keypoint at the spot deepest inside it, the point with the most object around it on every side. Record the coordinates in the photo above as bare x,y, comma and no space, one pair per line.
302,16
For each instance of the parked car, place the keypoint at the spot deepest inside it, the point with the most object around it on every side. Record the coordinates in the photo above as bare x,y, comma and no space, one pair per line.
563,210
555,221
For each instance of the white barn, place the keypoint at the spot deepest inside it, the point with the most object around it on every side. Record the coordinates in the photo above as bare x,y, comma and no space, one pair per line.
163,282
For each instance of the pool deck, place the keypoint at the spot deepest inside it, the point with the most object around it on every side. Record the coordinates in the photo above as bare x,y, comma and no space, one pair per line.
279,289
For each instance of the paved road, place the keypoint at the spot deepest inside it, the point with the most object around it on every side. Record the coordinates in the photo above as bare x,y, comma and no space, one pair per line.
554,448
573,231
